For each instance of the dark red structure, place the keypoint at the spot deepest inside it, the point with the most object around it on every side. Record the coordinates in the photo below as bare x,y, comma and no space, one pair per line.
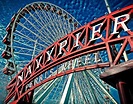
73,45
120,77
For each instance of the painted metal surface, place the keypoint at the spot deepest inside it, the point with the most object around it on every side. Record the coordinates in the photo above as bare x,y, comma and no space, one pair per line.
86,39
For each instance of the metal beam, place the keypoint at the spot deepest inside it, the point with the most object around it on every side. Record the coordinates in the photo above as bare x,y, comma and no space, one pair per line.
66,93
102,87
94,99
46,92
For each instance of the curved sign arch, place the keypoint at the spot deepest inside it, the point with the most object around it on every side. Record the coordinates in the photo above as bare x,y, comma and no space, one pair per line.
98,35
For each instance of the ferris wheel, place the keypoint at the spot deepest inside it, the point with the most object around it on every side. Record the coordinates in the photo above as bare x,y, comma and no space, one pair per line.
31,30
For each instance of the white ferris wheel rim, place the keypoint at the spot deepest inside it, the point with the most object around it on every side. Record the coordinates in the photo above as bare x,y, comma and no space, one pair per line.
12,33
19,12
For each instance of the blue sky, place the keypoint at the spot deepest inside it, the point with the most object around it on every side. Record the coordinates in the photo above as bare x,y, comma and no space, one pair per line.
83,10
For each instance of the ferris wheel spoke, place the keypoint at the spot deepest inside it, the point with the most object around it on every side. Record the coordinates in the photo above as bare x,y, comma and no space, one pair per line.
57,88
19,34
66,25
39,17
65,22
55,92
39,23
62,25
54,23
75,94
26,45
49,85
69,26
62,88
42,25
46,24
22,48
48,20
34,28
59,27
16,53
36,20
44,91
31,31
21,62
90,91
101,87
56,20
30,22
23,37
73,28
80,92
81,84
49,32
51,21
98,93
22,51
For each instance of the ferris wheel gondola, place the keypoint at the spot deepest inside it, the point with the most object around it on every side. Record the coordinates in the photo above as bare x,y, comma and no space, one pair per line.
31,30
34,28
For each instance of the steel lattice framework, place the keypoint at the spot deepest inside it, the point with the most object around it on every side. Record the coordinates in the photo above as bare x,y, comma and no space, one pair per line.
110,33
